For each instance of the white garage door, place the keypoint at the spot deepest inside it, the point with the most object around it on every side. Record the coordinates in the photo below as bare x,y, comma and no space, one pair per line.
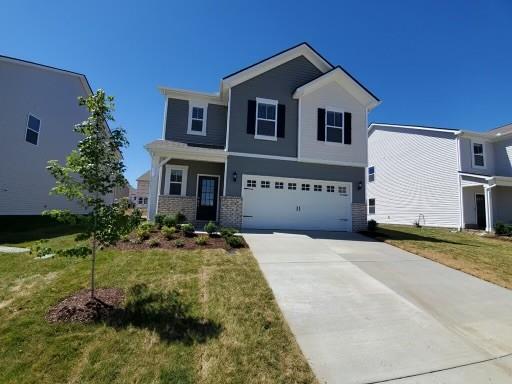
286,203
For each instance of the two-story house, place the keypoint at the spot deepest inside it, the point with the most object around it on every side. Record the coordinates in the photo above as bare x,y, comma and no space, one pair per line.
282,145
440,177
38,110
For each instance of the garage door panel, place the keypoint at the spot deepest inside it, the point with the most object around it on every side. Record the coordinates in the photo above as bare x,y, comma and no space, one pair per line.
287,203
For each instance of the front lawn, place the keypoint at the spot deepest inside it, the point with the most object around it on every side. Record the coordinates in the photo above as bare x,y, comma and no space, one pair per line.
234,332
484,257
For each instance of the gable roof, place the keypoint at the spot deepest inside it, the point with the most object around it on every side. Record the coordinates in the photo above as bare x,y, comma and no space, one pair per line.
81,76
302,49
345,79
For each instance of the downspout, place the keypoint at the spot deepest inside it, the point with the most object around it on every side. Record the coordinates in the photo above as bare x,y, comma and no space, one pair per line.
459,181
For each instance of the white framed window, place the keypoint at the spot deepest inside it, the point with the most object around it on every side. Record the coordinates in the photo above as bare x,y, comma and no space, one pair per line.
317,188
278,185
333,125
33,129
265,184
292,186
197,119
371,174
478,154
251,183
371,206
176,179
305,187
140,200
266,119
330,188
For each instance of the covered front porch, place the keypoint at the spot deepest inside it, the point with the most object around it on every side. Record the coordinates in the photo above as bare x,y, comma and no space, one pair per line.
486,200
190,180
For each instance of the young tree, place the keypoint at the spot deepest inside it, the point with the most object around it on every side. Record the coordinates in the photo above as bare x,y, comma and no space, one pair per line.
89,176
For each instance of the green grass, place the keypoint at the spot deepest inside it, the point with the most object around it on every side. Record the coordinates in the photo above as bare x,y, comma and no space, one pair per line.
252,344
485,257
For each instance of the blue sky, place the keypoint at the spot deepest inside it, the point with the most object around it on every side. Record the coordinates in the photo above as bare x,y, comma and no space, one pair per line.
441,63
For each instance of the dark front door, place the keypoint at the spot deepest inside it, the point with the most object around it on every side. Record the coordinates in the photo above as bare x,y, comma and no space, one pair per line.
207,194
480,211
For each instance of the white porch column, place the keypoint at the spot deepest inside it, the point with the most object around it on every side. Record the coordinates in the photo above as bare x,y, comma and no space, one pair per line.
153,187
489,214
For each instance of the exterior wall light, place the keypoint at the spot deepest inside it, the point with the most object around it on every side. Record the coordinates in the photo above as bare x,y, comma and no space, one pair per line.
360,185
234,176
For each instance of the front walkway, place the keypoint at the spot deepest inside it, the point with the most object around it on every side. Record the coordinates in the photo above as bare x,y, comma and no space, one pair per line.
366,312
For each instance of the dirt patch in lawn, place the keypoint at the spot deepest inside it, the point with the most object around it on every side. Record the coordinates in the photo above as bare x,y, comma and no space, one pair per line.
82,308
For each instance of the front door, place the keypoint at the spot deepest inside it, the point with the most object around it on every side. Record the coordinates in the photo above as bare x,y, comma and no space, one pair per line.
480,211
207,193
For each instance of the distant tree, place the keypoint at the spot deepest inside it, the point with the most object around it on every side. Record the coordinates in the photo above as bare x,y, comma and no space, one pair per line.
89,176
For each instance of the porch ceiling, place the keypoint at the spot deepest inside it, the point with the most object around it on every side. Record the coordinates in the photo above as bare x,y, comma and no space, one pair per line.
175,150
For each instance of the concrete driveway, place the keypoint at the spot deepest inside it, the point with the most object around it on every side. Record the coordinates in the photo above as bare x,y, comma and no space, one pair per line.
367,312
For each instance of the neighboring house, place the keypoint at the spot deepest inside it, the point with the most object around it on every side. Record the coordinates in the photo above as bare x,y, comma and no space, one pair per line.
440,177
282,145
140,197
38,110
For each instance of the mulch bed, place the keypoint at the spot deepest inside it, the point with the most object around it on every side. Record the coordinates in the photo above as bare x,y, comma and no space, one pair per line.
81,308
189,243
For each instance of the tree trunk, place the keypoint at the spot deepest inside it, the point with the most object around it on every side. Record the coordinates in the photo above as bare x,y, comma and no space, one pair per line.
93,266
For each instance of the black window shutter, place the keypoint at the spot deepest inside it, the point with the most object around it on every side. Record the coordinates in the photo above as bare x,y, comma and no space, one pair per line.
348,128
320,134
251,116
281,119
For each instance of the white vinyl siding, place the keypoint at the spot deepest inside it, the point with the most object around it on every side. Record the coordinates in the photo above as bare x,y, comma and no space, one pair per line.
418,175
332,97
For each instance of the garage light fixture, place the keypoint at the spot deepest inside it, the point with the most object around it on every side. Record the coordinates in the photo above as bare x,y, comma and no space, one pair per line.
234,176
360,185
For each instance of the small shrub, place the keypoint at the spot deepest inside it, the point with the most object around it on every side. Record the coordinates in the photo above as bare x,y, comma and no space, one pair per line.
159,220
142,233
180,218
78,251
210,228
179,243
372,225
227,232
125,238
169,221
168,232
153,243
202,240
147,226
187,229
235,241
502,229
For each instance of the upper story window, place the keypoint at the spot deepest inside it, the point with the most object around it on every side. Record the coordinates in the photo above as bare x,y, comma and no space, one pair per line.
33,127
371,174
334,126
197,119
266,119
478,155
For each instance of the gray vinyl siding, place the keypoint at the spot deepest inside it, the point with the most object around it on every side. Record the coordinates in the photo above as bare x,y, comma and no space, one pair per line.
52,97
293,169
277,84
416,173
177,124
195,168
502,203
503,157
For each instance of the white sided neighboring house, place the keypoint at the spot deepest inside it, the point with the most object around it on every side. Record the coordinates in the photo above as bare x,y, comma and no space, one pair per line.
140,194
439,177
38,110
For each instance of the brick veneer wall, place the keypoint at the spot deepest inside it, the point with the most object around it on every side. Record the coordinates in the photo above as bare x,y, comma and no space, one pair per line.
359,219
170,205
230,211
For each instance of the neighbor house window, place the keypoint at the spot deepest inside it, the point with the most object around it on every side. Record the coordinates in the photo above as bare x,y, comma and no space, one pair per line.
197,119
176,176
478,155
266,119
371,174
371,206
140,200
145,200
33,127
334,126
